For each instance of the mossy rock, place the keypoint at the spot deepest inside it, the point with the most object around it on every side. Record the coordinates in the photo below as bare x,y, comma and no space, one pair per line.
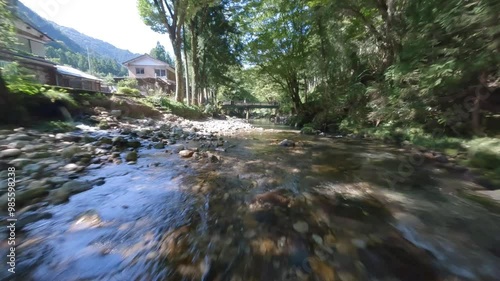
23,197
131,156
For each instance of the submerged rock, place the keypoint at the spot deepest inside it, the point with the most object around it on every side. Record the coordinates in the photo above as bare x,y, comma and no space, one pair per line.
186,153
63,193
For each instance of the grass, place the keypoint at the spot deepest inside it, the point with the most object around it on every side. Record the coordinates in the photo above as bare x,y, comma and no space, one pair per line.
174,107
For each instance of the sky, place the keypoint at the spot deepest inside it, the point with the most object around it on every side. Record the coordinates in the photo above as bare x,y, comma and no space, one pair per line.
114,21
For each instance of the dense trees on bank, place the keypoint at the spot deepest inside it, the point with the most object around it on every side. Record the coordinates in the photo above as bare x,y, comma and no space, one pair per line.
207,34
426,64
98,65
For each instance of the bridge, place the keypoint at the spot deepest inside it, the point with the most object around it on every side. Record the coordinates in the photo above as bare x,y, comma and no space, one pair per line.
249,105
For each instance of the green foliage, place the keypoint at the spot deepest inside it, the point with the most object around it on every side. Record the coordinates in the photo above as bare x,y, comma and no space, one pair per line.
175,107
98,65
160,53
128,82
7,28
59,95
308,130
55,126
129,91
19,79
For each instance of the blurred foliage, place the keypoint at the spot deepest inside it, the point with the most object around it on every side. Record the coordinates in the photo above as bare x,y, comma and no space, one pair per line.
174,107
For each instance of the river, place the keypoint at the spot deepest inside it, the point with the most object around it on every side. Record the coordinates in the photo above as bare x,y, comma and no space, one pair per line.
322,209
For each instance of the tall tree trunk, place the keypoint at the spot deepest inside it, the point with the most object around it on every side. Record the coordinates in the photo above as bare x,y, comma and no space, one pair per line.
294,90
4,99
186,60
195,59
179,73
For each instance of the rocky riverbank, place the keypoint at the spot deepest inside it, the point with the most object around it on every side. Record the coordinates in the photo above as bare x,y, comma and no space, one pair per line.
49,166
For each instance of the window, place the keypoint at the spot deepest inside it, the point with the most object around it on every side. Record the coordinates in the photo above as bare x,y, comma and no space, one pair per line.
160,72
139,70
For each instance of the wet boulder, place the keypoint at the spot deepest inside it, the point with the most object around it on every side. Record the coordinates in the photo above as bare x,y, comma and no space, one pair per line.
63,193
186,153
10,153
131,156
287,143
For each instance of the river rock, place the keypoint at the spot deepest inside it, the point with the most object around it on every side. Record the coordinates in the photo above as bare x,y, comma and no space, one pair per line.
301,227
22,197
39,155
118,141
105,140
19,137
88,219
131,156
19,163
322,270
68,137
31,217
56,180
116,113
134,144
36,184
287,143
18,144
186,153
159,145
72,167
9,153
34,147
33,168
68,152
63,193
441,158
317,239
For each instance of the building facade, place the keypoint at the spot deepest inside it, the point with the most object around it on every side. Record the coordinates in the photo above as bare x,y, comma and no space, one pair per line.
145,66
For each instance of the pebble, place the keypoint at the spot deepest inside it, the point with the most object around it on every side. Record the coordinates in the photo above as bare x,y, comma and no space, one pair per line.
186,153
301,227
317,239
71,167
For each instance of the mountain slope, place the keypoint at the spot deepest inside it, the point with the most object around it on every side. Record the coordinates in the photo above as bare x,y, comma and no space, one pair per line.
97,46
72,40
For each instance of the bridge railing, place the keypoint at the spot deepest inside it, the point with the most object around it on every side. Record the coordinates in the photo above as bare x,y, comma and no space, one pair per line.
243,103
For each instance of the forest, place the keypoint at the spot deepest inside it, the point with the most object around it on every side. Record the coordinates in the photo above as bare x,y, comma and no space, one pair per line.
349,65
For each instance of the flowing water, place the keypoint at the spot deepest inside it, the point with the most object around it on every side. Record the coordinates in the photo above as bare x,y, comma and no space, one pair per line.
325,209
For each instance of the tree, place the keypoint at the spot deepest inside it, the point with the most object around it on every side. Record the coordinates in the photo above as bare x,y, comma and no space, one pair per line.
278,45
168,16
159,53
7,39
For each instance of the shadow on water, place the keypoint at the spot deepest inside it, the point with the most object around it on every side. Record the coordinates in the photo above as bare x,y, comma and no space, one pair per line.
321,210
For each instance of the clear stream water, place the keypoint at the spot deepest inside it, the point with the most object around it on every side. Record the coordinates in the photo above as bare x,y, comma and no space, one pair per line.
326,209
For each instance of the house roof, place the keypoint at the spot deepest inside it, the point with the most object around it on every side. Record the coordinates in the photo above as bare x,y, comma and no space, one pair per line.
70,71
18,56
146,56
32,26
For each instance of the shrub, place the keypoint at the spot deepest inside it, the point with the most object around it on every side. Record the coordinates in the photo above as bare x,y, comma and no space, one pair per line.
128,83
308,131
129,91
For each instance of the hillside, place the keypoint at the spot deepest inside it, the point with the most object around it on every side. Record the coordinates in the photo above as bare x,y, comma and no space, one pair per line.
74,42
